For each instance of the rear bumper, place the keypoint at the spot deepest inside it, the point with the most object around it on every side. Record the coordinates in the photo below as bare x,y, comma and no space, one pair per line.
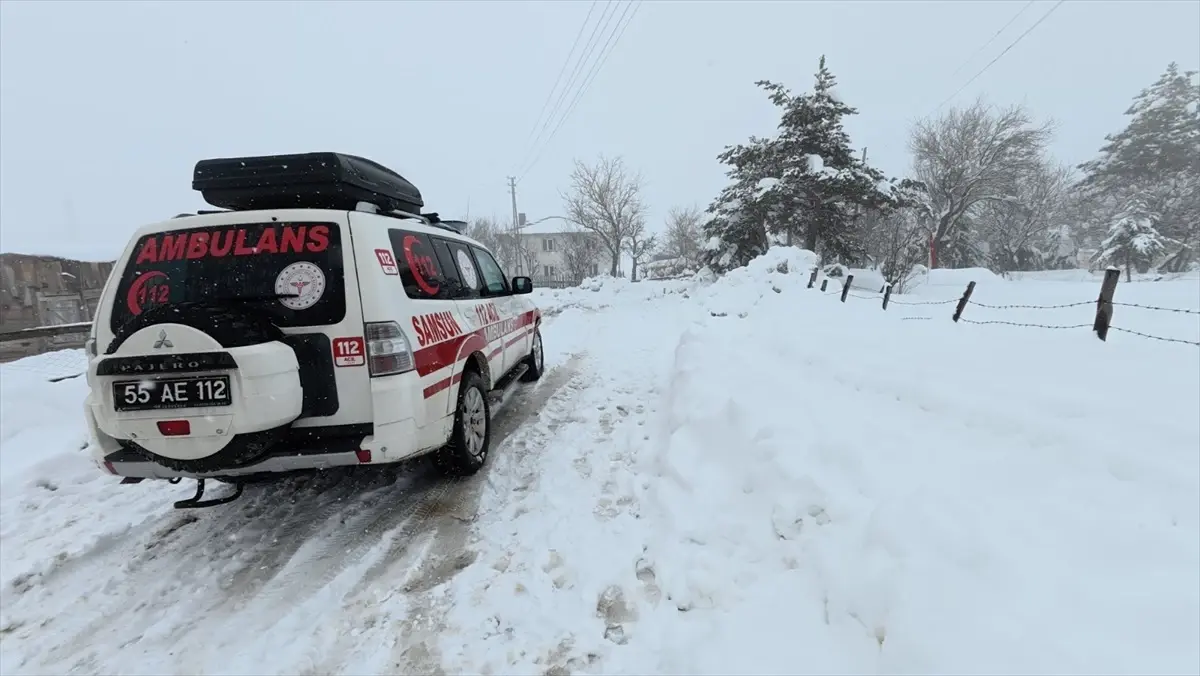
138,467
311,448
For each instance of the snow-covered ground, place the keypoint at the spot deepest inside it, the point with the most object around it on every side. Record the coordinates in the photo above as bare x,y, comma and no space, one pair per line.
744,476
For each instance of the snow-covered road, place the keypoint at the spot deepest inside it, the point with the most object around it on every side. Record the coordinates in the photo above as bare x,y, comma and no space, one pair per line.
737,477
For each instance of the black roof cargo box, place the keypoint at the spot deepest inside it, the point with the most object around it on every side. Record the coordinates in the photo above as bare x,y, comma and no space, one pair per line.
305,181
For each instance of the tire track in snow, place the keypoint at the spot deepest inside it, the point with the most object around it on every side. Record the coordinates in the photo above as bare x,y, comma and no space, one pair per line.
429,551
192,575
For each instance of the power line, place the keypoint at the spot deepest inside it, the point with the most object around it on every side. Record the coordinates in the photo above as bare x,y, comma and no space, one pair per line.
566,62
1001,54
610,45
993,38
601,25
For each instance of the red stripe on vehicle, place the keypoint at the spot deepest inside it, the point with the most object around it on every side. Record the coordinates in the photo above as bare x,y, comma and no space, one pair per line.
438,356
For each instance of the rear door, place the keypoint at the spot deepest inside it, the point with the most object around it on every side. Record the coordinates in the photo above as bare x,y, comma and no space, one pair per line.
432,298
296,266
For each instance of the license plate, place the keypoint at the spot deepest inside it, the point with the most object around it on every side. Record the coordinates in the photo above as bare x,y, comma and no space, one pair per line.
168,393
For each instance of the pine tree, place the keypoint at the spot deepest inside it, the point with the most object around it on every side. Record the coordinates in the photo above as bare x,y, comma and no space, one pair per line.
737,231
1133,240
1156,156
824,185
806,182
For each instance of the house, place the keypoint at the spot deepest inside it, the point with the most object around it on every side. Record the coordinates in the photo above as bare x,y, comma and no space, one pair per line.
554,253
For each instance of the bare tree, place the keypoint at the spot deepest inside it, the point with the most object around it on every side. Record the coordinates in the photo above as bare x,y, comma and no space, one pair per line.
529,260
496,238
1014,225
683,235
581,252
605,199
640,246
971,156
896,236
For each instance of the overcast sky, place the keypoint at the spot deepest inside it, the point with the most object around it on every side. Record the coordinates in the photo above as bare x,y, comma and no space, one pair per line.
105,107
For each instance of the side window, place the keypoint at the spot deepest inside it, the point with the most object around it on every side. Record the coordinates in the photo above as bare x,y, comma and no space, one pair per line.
458,258
489,271
456,282
421,272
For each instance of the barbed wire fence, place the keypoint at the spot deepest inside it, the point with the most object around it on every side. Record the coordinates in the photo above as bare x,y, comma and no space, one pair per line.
62,359
1101,325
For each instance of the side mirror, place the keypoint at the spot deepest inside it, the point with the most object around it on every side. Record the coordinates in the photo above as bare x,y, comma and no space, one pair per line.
521,285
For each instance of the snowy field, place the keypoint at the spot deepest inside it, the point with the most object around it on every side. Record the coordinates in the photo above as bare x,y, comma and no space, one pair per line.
744,476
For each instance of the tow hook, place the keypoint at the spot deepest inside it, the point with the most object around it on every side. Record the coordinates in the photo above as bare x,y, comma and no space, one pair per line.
197,501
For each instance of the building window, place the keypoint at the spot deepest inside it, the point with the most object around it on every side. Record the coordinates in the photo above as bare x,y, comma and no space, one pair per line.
547,244
548,271
595,269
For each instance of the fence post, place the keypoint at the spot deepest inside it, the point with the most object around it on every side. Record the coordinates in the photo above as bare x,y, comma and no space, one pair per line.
887,294
824,282
1104,307
846,287
812,279
962,302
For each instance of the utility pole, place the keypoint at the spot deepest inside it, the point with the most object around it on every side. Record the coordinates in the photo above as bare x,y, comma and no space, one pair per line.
516,232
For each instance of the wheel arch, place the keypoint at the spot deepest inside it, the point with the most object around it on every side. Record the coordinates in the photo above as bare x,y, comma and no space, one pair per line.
470,356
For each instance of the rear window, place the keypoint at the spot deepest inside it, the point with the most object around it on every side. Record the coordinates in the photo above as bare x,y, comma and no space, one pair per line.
244,261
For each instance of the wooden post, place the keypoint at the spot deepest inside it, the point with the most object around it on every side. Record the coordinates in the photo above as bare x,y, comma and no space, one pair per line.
887,294
1104,306
824,283
846,287
962,302
812,279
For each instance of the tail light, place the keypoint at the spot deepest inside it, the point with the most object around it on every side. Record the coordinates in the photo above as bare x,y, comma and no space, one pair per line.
388,351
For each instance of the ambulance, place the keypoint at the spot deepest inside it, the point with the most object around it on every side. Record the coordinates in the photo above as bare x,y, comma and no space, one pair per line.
314,319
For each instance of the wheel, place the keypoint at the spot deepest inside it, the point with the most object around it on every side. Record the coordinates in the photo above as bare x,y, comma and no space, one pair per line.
536,361
231,327
471,437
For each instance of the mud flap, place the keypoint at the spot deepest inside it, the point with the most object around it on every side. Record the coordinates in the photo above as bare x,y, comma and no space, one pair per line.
196,501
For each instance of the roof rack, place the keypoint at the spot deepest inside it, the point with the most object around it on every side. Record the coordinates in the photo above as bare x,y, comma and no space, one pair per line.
457,227
304,181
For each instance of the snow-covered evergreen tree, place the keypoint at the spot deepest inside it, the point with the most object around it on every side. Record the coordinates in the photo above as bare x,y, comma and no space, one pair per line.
1133,241
824,185
1157,157
1059,248
807,182
736,230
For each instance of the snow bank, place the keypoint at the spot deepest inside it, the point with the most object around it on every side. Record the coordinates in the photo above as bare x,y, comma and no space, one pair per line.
830,502
733,476
743,288
48,482
37,431
959,277
598,293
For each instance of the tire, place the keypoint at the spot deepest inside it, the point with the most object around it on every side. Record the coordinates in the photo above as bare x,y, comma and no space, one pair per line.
536,361
468,448
231,327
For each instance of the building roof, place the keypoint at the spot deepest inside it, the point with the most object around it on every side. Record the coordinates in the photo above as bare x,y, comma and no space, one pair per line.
554,226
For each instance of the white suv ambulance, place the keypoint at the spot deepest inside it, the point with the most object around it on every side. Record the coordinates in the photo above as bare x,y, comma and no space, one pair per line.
316,320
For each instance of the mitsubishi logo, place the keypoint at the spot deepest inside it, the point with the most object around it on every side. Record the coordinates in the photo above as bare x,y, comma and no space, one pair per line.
162,341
